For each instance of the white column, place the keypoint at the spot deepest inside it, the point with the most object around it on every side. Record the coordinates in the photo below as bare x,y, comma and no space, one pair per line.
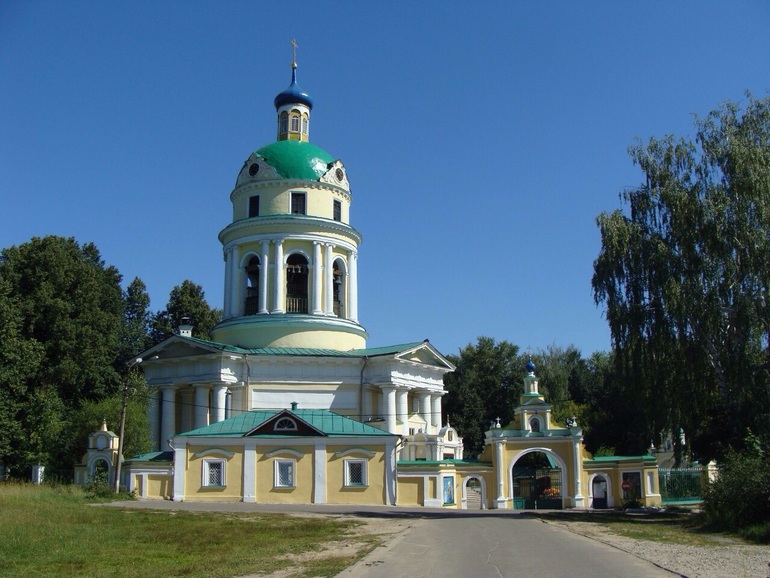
402,409
577,469
168,423
317,271
180,469
436,412
153,417
319,475
279,279
220,394
186,399
201,406
329,280
237,284
353,286
424,398
390,408
250,471
500,501
228,305
264,266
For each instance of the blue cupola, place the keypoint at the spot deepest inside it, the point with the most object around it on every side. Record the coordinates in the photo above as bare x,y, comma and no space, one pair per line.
293,94
293,106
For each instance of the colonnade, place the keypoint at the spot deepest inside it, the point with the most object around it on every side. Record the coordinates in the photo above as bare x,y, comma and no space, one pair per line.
396,409
201,405
321,263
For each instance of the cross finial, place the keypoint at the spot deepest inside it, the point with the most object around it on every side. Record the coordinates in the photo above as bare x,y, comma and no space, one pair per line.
293,53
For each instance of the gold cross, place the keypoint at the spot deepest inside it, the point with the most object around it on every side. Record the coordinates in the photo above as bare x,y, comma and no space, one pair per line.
293,53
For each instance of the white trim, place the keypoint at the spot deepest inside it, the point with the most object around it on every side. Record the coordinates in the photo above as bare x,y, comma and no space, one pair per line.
206,467
292,473
287,451
609,497
319,474
250,472
354,451
213,452
465,480
348,463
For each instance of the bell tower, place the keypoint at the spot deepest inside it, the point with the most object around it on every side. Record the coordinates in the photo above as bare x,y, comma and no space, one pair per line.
291,255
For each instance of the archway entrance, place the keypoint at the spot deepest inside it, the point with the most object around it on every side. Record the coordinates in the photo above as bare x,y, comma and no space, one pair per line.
599,492
537,482
473,494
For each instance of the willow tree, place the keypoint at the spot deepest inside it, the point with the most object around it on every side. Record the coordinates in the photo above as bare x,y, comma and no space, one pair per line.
683,273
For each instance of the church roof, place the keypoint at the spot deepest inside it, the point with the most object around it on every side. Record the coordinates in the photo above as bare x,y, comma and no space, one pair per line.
293,94
326,423
294,159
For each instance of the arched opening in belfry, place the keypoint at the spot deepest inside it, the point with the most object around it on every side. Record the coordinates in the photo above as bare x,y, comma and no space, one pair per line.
296,284
537,481
251,306
339,288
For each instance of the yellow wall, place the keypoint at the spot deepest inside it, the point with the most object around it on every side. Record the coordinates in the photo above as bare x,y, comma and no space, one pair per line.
233,489
338,493
282,336
301,493
410,492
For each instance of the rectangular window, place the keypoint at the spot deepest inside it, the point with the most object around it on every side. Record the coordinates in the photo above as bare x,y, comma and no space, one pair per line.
337,211
213,473
284,473
254,206
355,472
298,203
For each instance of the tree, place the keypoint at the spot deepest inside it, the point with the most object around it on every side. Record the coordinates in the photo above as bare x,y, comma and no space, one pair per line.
485,386
60,319
186,300
684,275
137,320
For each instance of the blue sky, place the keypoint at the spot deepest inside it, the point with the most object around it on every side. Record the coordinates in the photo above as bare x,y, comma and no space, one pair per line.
481,139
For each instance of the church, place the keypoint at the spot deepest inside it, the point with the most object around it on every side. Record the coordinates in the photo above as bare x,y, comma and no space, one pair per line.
287,404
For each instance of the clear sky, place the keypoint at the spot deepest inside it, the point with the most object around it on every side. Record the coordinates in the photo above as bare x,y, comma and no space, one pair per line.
481,139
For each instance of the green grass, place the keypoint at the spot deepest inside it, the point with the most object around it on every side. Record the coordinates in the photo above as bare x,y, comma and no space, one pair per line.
47,531
677,527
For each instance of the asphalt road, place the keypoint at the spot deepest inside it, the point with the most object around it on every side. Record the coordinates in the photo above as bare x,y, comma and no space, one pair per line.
438,542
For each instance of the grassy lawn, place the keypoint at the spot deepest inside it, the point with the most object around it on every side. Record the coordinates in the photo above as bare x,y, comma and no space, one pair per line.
47,531
682,527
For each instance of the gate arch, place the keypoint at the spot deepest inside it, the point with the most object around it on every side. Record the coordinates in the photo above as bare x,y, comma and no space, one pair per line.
566,497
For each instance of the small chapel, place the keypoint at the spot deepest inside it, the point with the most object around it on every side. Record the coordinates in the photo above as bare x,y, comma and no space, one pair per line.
287,404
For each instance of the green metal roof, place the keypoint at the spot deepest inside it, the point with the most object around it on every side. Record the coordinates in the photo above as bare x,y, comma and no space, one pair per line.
327,422
297,160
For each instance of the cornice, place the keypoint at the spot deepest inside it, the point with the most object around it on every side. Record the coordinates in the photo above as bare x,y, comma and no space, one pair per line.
285,184
326,225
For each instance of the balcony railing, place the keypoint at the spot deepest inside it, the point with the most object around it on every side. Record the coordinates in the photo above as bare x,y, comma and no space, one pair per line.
296,304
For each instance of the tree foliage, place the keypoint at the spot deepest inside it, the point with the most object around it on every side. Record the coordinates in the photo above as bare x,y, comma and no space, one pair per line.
684,276
185,300
485,386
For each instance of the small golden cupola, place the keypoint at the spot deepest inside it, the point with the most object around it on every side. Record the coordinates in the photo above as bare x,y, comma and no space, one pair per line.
293,107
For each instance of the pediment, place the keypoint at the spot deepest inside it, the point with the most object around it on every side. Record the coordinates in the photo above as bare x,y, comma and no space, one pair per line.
425,354
177,347
285,423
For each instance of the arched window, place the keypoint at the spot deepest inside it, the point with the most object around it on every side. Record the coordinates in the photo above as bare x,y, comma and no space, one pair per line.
285,424
294,123
251,306
534,425
304,125
338,288
283,125
296,284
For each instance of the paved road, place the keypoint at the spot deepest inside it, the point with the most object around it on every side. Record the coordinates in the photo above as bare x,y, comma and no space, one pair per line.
497,546
496,543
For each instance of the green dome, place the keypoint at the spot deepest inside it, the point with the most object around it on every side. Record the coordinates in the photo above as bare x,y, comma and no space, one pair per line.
297,160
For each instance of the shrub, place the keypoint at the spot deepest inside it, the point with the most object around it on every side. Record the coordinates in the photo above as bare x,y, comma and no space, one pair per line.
740,496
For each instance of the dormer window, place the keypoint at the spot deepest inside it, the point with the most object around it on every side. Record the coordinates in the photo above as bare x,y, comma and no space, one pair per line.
285,424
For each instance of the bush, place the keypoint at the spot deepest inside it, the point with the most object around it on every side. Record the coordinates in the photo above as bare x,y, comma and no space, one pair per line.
740,496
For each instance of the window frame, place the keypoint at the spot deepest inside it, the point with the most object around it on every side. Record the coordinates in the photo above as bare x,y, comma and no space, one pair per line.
277,464
206,469
337,210
348,462
298,195
253,206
